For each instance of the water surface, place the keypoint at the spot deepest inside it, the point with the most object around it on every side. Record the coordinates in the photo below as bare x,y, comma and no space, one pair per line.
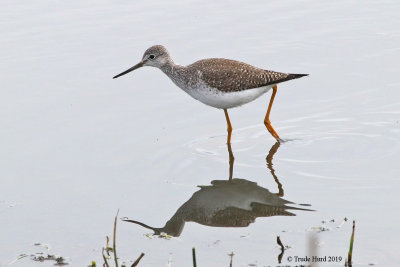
77,145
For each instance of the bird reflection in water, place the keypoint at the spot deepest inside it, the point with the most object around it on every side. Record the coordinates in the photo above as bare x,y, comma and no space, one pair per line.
229,203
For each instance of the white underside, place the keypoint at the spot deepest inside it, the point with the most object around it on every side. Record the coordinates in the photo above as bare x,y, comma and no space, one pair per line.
225,100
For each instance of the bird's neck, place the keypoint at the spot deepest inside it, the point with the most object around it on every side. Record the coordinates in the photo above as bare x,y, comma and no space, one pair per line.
171,69
176,73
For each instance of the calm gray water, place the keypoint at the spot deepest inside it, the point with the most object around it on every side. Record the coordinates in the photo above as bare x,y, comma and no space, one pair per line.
76,146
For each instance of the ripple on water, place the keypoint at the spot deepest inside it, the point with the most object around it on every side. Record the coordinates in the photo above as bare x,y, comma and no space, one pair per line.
310,142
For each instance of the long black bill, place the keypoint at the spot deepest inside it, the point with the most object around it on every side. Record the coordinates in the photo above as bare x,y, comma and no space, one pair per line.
140,64
157,231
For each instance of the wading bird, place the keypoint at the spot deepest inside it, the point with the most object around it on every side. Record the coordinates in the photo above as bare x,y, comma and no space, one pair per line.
217,82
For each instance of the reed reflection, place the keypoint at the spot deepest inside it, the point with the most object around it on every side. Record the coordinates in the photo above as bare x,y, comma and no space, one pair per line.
234,202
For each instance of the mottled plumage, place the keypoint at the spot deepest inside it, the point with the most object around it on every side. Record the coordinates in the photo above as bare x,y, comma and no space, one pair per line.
228,75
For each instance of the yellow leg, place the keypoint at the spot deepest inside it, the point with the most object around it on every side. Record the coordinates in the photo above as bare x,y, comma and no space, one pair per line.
269,158
267,122
231,161
229,126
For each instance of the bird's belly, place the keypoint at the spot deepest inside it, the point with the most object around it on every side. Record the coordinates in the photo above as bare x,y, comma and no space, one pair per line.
224,100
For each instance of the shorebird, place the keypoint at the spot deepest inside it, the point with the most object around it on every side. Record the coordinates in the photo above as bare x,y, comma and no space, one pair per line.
218,82
235,203
230,203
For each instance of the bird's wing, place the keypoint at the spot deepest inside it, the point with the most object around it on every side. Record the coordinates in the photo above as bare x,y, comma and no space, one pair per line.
232,76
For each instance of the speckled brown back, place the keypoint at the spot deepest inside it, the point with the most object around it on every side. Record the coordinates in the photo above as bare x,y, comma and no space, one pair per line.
231,76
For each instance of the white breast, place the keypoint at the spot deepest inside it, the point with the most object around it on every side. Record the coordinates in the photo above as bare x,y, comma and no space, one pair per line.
216,98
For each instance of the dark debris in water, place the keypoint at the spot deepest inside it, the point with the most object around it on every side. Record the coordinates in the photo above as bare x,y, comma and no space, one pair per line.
43,256
59,261
328,225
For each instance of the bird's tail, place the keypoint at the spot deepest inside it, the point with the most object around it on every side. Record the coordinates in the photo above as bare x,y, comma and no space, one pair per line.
289,77
292,76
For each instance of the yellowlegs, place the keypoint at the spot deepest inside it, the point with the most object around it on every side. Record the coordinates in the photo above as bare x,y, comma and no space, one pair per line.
235,203
217,82
229,203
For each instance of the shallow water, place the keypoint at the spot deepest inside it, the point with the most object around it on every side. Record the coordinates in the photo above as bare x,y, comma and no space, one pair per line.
77,145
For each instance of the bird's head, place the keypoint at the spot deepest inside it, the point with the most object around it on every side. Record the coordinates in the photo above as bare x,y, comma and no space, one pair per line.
156,56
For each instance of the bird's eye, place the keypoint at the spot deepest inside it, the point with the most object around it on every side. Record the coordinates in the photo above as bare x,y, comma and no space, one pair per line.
152,56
